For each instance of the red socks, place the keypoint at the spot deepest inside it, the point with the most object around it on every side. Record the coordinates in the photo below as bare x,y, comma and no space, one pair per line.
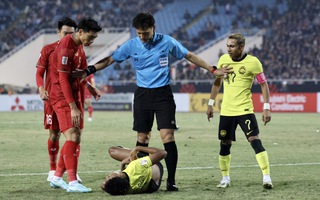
69,155
53,149
71,159
61,166
90,110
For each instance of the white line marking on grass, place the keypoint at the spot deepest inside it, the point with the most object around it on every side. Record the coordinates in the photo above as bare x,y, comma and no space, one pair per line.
19,122
179,168
248,166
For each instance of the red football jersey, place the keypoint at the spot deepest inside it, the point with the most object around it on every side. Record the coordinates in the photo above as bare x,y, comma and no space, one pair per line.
45,61
67,57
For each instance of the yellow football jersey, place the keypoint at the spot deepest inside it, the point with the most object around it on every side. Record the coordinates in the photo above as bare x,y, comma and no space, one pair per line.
140,173
237,86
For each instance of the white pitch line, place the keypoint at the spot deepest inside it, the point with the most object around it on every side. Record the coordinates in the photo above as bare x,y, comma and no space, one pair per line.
179,168
248,166
20,122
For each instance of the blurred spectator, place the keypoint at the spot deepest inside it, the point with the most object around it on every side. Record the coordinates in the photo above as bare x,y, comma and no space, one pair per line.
26,89
284,87
187,15
3,90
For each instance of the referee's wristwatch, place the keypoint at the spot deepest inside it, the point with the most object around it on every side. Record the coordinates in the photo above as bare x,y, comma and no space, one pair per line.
214,68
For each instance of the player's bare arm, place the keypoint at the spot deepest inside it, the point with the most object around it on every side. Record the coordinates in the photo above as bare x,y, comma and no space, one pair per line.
214,92
266,115
95,92
155,154
124,162
44,95
75,114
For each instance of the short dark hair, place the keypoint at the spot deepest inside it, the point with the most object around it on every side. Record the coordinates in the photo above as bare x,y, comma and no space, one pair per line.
66,21
117,186
143,20
88,24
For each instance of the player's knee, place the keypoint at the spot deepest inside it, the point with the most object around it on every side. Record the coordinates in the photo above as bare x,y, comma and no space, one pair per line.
257,146
73,134
167,135
54,135
143,138
166,138
112,151
226,142
251,138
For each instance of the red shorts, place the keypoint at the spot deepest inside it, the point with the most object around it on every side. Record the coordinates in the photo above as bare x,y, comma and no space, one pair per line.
50,118
63,112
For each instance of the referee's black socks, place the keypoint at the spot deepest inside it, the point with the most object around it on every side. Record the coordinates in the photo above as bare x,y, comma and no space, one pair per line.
171,160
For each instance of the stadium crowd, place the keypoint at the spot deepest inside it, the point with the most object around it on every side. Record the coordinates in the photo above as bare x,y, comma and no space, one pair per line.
289,50
20,21
291,44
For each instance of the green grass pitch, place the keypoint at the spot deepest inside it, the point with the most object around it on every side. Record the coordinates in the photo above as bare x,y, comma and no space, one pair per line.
292,142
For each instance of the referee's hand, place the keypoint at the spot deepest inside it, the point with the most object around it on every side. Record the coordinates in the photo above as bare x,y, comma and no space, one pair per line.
78,73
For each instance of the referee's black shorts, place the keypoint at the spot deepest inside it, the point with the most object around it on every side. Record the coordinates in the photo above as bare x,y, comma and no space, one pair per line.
150,102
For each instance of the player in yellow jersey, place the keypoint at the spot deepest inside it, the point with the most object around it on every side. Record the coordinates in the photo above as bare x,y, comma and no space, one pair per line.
138,175
237,106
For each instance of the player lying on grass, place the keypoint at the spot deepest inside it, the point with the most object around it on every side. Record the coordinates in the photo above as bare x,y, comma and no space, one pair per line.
137,175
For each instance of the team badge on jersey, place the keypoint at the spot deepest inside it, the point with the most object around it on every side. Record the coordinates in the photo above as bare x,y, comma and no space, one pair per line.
242,70
64,60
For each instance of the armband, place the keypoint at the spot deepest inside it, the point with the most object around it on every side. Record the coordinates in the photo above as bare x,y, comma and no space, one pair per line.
214,68
210,102
90,70
261,78
266,106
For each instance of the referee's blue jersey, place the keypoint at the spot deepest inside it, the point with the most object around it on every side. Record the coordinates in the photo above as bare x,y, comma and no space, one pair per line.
151,59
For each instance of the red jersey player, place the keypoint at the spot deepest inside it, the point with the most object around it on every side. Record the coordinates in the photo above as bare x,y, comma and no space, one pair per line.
44,66
66,98
87,96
